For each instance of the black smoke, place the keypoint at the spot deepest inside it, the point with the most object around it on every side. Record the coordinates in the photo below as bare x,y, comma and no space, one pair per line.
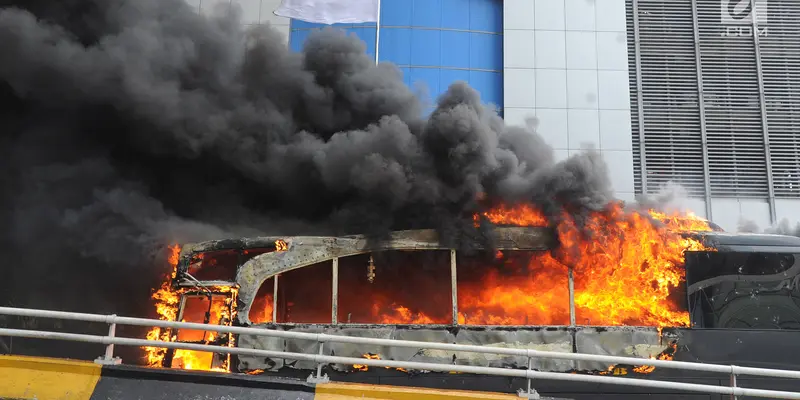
129,125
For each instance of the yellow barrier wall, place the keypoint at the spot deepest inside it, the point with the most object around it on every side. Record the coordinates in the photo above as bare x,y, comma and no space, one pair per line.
47,378
341,391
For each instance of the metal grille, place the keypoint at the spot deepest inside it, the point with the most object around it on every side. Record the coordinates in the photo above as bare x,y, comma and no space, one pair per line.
732,107
673,146
737,163
780,59
634,90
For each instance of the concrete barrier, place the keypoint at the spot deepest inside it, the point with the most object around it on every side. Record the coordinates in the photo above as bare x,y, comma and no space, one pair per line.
47,378
335,391
57,379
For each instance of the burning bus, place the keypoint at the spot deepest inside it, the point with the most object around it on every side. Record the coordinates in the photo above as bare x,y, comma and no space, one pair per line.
642,284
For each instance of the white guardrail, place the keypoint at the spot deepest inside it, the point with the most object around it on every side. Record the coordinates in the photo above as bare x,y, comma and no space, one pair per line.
111,340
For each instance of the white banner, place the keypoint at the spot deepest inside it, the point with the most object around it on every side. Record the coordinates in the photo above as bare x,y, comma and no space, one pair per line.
330,11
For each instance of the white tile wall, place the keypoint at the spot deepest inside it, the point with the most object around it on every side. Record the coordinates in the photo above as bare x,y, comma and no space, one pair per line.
553,126
549,15
697,206
728,213
615,130
580,15
582,88
612,51
610,15
551,88
518,14
518,115
550,49
788,209
581,50
583,129
524,94
525,57
573,54
614,93
620,168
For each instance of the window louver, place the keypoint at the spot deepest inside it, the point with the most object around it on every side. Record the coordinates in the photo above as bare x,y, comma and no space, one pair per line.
673,148
780,60
736,153
734,127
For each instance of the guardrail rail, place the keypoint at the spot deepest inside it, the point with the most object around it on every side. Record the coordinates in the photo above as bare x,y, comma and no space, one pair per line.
321,359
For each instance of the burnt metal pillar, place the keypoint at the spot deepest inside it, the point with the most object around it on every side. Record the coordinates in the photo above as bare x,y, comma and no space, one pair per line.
572,321
454,285
335,291
275,300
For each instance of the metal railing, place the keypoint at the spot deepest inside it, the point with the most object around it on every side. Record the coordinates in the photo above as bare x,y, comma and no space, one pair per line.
320,359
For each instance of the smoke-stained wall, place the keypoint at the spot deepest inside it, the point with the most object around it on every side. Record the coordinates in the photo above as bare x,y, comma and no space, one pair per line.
566,66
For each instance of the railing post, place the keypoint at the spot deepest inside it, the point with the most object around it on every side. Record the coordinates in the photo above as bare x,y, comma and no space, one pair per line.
335,291
572,318
733,382
275,300
530,393
108,358
319,378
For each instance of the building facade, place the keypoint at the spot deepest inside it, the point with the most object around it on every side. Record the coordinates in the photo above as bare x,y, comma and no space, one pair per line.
693,92
715,96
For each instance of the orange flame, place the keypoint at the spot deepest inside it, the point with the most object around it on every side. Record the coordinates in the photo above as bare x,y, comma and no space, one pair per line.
167,309
626,269
521,215
262,310
682,222
667,354
370,356
166,302
280,245
401,315
623,273
363,367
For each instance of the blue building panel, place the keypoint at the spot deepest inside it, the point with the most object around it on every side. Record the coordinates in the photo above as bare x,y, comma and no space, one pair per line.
434,43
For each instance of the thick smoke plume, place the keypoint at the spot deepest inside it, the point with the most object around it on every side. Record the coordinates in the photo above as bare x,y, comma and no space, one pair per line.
129,125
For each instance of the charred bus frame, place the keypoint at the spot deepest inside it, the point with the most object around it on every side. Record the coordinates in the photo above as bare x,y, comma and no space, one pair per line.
277,255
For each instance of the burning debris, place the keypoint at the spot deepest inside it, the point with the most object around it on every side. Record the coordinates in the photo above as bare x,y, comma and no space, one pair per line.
371,356
368,356
201,304
667,354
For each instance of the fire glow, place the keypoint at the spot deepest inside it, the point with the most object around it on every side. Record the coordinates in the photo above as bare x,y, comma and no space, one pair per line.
626,267
167,300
